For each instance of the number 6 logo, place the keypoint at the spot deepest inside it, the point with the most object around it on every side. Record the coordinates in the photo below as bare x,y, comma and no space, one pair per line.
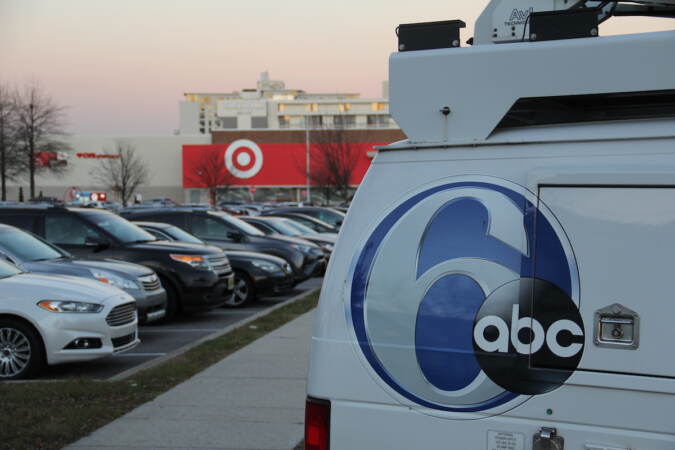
430,305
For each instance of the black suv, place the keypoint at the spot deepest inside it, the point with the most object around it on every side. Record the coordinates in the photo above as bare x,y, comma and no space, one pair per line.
229,233
195,277
255,274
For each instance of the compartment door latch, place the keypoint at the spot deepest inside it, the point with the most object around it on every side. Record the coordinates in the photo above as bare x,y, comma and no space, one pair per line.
616,326
548,439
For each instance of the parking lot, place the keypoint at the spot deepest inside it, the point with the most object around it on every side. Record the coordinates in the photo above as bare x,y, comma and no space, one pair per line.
161,340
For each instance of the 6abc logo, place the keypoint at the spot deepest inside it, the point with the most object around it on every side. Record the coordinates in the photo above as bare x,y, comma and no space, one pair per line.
449,308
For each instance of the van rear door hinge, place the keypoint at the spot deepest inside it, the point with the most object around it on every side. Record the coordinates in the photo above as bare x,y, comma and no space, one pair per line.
548,439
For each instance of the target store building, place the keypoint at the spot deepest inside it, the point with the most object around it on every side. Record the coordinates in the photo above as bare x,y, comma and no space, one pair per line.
271,165
260,165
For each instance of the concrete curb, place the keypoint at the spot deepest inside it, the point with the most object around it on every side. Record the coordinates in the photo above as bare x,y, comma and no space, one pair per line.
157,361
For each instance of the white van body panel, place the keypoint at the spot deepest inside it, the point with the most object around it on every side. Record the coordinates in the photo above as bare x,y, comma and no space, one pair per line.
479,84
617,409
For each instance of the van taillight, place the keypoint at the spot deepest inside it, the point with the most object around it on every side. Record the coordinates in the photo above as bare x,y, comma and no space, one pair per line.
317,424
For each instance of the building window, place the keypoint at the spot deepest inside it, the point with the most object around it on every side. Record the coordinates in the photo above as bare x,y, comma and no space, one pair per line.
378,106
314,121
344,121
282,107
344,107
259,122
378,121
312,107
228,122
284,121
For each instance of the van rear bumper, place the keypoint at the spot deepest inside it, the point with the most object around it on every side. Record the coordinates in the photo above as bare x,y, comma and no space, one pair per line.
382,427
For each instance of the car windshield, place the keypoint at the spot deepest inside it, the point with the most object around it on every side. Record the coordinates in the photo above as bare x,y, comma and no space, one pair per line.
182,235
303,229
239,224
280,227
27,247
8,270
330,216
123,230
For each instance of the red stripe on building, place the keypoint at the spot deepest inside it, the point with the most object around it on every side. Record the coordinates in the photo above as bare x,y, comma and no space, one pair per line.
283,164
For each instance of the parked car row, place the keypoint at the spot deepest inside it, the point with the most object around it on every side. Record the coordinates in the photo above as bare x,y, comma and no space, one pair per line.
94,275
231,233
254,273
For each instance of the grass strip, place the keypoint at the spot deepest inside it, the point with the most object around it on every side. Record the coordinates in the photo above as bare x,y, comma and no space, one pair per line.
50,415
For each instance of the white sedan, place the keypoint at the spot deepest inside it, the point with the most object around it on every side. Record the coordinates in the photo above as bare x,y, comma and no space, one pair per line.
47,319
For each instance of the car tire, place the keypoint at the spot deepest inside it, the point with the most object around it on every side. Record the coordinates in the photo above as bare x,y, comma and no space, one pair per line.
22,352
172,300
244,291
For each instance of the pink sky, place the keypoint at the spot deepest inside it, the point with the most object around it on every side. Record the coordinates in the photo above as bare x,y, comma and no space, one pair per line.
121,67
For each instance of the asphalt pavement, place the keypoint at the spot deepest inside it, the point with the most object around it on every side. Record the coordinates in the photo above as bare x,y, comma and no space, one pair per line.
162,340
253,399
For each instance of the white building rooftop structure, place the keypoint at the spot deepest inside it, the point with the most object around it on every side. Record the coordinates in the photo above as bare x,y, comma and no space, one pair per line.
272,106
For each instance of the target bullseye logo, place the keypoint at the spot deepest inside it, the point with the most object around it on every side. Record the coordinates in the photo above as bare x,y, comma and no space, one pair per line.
243,158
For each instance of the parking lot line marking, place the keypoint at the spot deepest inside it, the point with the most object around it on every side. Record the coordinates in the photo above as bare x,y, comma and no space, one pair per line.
182,330
141,354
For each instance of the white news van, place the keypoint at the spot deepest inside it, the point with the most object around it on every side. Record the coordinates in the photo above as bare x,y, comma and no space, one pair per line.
505,278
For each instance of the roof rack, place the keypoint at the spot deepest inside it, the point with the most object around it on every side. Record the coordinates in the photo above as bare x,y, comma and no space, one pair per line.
505,21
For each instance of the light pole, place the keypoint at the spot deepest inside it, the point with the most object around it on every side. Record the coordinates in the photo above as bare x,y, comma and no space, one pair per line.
307,160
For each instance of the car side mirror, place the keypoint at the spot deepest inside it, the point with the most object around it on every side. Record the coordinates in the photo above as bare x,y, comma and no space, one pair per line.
235,236
98,243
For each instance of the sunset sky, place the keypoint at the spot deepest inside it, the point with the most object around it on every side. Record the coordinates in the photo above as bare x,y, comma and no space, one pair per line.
122,66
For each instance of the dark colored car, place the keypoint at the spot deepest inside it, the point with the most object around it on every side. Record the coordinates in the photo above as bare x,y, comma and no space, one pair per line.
287,227
32,254
196,278
255,274
230,233
330,216
308,221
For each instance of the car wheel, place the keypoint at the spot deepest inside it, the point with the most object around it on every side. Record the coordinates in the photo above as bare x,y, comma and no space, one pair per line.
172,303
244,291
21,351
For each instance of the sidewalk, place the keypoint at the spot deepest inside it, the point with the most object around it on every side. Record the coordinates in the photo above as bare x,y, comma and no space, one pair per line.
253,399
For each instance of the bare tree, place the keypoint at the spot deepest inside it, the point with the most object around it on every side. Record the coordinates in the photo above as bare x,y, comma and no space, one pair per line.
122,171
209,171
333,161
41,129
10,165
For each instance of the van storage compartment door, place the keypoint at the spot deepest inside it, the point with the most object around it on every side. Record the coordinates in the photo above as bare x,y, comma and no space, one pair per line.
623,239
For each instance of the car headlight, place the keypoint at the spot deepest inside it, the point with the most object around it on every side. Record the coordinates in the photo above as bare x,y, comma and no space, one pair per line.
266,266
196,261
65,306
114,280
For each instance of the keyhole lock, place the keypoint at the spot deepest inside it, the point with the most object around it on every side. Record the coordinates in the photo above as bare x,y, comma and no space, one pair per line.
617,332
617,327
